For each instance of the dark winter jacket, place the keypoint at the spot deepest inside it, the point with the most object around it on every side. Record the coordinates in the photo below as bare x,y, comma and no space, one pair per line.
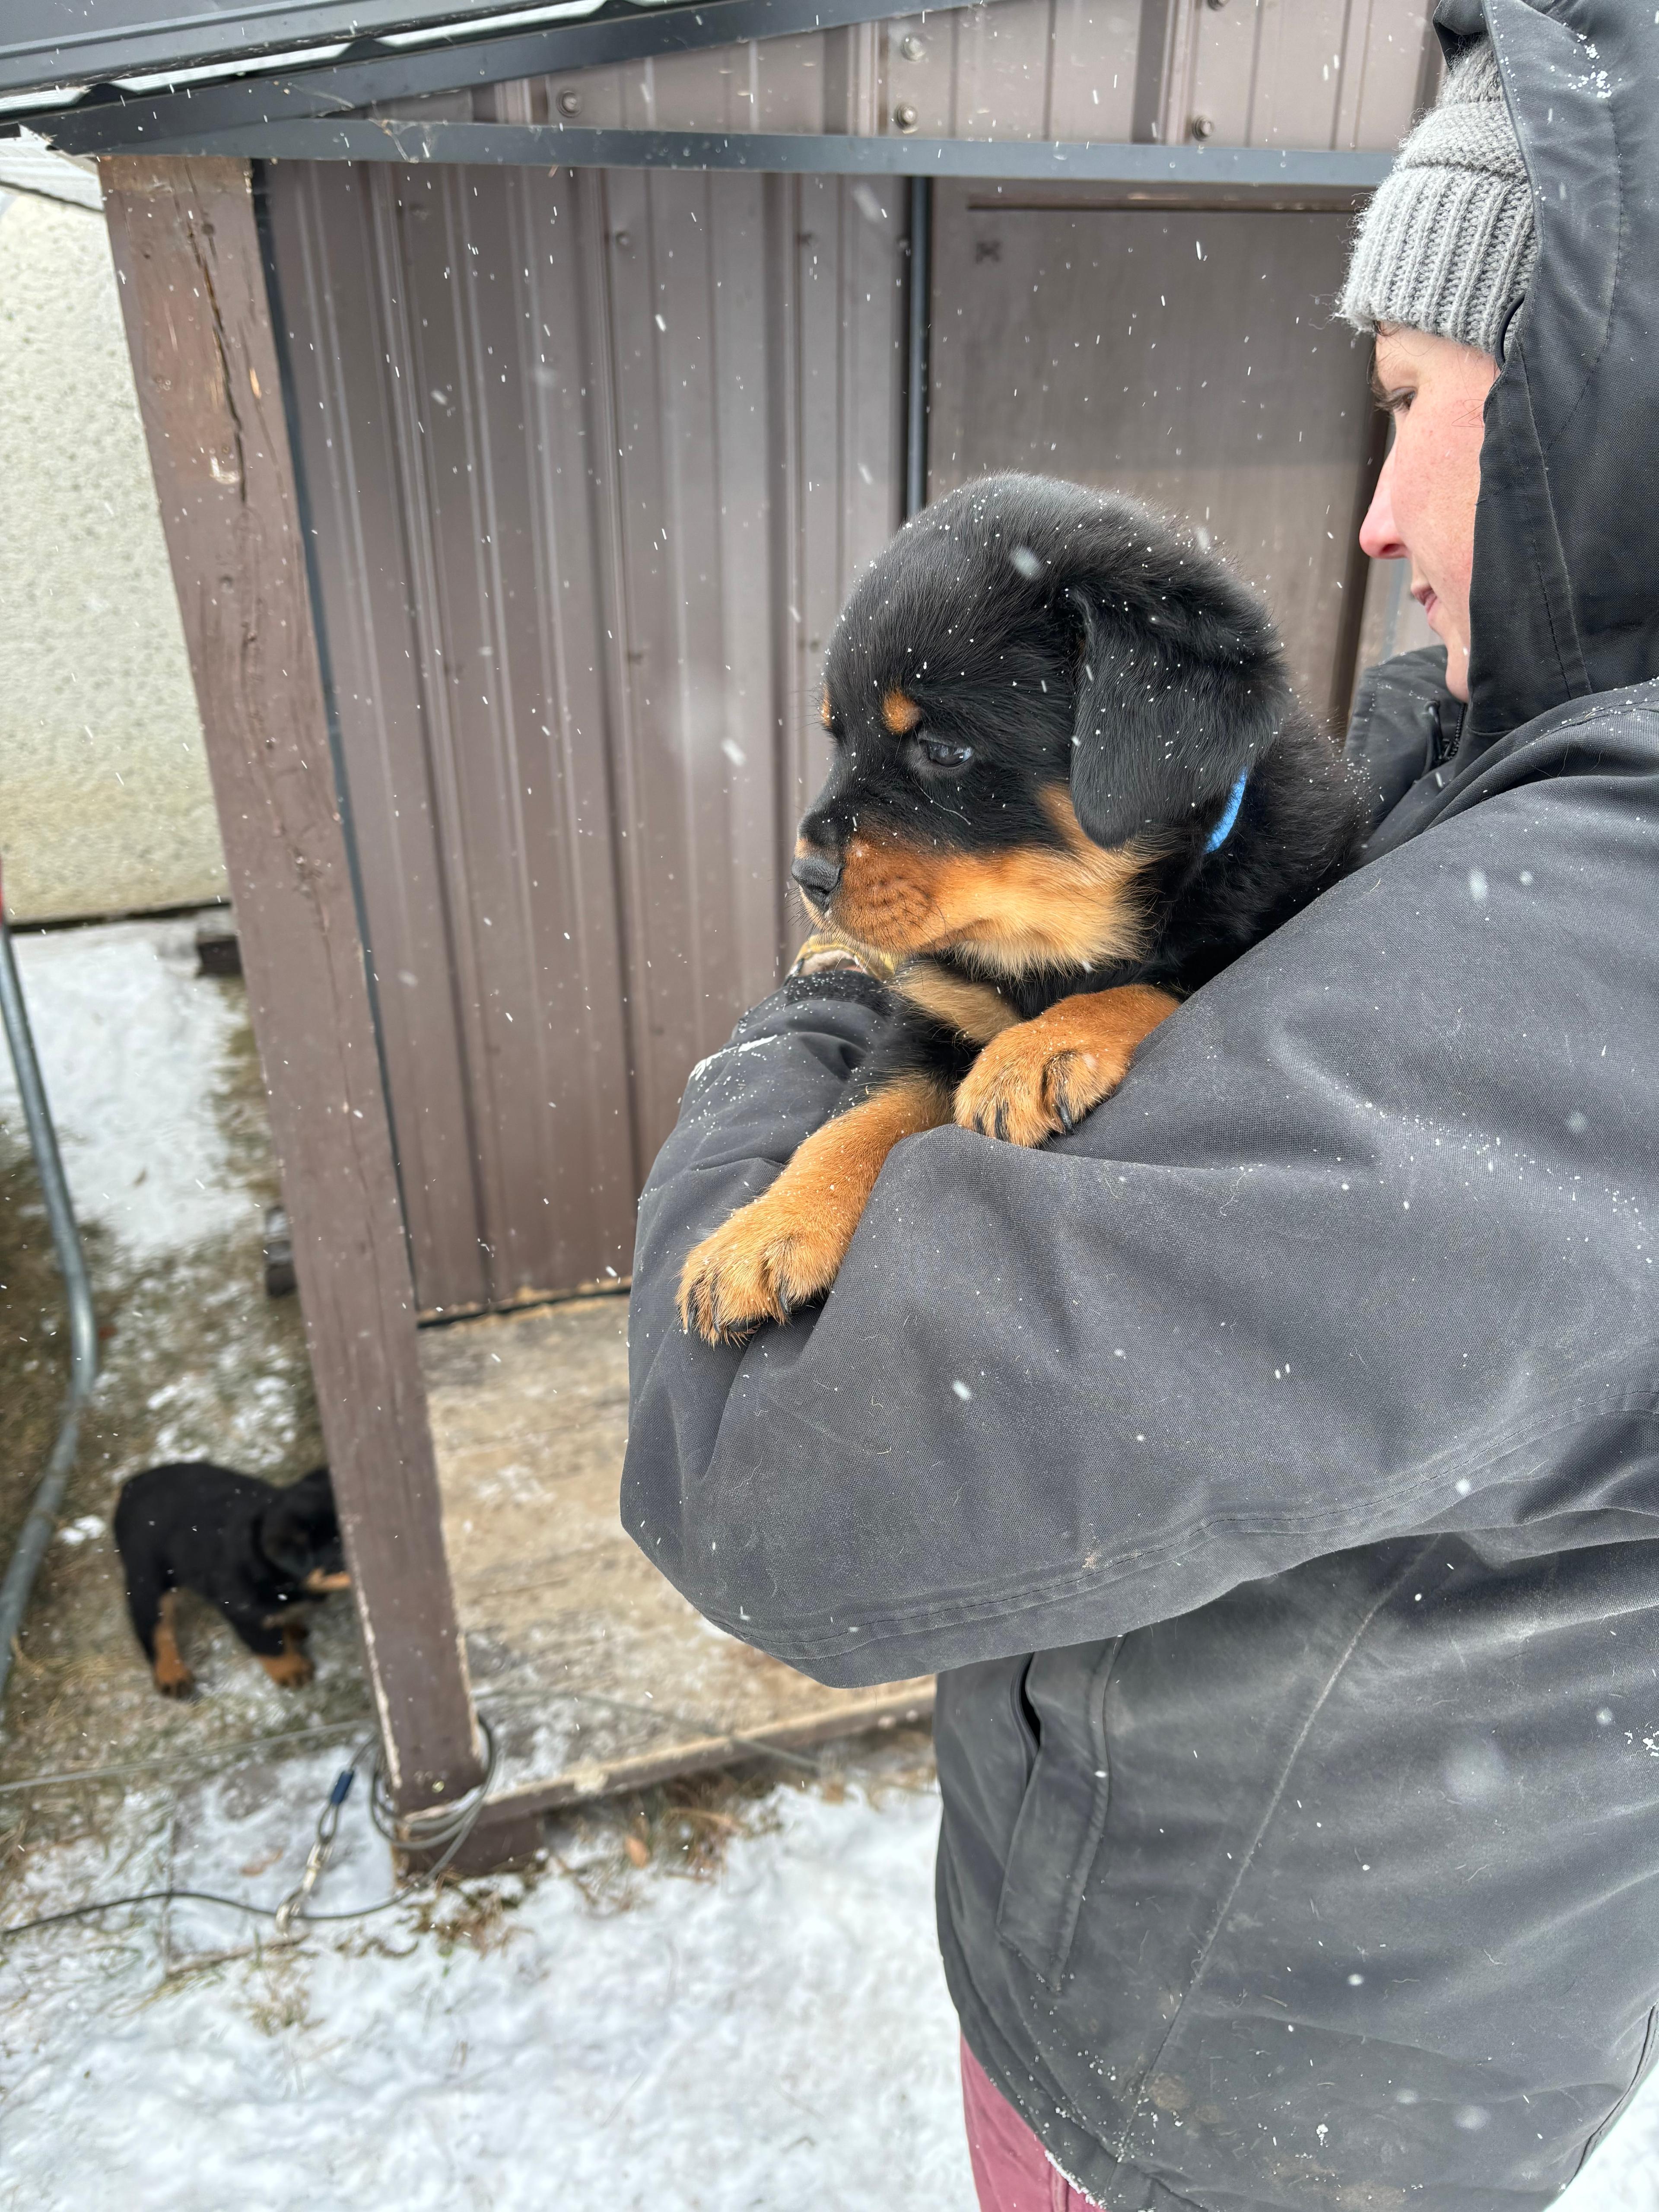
1298,1412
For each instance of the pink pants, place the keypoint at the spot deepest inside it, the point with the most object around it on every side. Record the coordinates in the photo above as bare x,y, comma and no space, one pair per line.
1012,2171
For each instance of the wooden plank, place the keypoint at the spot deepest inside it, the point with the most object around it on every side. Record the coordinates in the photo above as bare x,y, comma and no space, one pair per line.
844,1713
593,1672
193,293
510,1827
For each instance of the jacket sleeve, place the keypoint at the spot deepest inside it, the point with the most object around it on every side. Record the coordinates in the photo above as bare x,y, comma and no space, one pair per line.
1362,1247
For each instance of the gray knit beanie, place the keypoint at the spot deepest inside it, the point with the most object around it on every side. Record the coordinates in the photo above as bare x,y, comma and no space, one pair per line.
1449,244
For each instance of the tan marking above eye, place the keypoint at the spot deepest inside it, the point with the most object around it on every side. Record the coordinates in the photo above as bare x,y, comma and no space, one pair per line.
899,712
823,708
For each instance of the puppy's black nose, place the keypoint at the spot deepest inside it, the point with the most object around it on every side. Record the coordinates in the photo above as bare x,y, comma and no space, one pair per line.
815,873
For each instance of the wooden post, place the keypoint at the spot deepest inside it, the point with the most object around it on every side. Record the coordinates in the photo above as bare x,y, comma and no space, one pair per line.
198,312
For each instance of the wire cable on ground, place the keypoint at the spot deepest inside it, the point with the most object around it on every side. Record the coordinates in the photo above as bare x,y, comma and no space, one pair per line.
444,1831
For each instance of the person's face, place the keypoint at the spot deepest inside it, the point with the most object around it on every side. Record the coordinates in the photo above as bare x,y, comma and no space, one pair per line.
1424,510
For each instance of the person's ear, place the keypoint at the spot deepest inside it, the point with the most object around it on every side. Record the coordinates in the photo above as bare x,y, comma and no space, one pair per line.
1171,711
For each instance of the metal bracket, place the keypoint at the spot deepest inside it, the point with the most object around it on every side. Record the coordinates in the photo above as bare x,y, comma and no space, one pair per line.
1340,176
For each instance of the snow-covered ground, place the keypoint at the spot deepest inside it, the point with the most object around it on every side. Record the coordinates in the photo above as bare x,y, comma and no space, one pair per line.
607,2036
130,1043
776,2035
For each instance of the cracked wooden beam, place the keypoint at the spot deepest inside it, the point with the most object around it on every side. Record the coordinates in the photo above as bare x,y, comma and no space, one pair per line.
186,247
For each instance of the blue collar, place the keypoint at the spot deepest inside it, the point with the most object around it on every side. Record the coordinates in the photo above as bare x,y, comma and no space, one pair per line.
1223,828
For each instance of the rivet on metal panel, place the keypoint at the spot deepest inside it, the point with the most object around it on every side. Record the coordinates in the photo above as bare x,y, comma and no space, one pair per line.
906,117
622,241
570,100
1203,126
914,48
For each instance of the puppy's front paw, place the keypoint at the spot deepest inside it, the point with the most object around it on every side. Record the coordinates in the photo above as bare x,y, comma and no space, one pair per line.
1021,1092
786,1245
174,1680
771,1257
1044,1075
290,1668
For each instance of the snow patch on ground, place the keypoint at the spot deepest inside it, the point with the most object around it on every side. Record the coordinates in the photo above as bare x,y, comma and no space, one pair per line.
130,1041
778,2036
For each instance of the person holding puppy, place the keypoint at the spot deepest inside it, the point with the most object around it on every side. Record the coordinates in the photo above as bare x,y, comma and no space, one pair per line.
1269,1466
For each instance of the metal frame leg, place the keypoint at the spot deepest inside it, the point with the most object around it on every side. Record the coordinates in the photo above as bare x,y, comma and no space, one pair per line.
37,1529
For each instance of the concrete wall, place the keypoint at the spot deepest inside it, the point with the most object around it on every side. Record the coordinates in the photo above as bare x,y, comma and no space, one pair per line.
104,800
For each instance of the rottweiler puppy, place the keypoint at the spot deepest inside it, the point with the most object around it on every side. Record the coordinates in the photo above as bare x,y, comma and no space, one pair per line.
1070,783
252,1548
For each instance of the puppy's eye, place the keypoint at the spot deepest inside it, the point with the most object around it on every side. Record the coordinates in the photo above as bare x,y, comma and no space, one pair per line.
938,754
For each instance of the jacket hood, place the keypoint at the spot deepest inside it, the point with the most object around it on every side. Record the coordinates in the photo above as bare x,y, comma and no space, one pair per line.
1565,601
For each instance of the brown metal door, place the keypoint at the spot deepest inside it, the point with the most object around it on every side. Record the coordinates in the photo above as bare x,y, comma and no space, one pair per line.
591,460
1191,360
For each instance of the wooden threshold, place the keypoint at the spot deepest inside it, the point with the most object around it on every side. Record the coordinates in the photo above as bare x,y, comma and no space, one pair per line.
510,1825
594,1673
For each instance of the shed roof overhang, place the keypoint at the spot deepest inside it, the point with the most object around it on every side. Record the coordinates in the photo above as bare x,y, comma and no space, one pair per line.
169,77
102,76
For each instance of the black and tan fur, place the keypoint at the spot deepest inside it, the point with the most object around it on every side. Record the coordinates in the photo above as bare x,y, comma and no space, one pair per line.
257,1551
1042,699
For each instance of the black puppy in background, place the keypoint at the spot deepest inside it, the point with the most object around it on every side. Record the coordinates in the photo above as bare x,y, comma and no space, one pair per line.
252,1548
1070,783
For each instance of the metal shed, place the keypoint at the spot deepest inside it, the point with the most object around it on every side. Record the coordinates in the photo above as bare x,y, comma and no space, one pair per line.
522,403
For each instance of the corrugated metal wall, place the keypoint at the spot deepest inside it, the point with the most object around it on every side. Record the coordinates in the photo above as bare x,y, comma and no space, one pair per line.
591,460
1189,359
1340,74
1298,72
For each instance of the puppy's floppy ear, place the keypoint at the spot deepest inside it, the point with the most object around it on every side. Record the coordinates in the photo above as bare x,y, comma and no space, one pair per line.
300,1515
1175,701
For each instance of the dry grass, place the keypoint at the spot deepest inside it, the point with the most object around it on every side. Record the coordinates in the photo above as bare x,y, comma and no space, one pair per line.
478,1914
276,1993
